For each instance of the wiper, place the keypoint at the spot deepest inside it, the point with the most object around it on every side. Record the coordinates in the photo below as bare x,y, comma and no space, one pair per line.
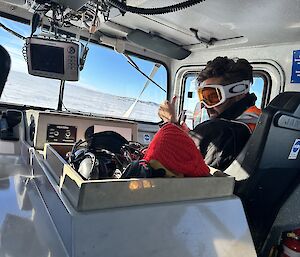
11,31
149,78
134,65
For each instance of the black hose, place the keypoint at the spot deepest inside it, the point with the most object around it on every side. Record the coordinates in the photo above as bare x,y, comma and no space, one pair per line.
153,11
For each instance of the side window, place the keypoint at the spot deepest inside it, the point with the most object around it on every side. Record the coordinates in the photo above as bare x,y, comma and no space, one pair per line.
191,96
190,99
257,88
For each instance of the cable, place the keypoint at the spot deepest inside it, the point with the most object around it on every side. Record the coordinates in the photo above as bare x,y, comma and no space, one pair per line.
93,28
153,11
65,107
36,18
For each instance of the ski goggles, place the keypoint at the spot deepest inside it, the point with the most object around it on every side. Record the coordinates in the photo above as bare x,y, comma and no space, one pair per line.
214,95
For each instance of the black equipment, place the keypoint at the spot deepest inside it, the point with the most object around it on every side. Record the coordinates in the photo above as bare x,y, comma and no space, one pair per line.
103,155
51,58
9,119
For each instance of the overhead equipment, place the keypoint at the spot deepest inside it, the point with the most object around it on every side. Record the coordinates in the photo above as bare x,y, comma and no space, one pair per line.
51,58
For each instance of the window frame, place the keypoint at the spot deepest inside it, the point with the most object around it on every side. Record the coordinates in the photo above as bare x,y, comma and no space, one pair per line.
269,70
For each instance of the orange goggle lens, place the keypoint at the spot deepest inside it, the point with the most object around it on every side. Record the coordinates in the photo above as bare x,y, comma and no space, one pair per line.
210,95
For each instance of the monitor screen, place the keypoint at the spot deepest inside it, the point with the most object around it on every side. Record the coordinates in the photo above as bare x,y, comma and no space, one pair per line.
47,58
52,58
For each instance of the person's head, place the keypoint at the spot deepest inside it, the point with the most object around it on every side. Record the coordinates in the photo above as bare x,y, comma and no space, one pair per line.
4,67
223,82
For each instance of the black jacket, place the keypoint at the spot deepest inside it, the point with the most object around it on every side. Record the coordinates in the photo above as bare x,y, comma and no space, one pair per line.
221,139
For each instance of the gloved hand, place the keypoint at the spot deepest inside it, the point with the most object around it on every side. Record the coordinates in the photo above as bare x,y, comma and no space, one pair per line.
166,111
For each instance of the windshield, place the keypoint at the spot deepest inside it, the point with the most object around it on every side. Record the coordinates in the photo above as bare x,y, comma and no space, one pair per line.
108,84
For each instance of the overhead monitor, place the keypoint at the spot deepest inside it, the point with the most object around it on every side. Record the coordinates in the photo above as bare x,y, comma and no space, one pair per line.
54,59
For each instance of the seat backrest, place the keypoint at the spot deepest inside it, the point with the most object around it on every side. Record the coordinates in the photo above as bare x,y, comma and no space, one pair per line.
268,168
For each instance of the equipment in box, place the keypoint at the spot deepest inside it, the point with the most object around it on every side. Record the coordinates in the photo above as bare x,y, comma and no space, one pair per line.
105,154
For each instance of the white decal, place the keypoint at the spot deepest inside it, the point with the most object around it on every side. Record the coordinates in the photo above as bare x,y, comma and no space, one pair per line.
295,150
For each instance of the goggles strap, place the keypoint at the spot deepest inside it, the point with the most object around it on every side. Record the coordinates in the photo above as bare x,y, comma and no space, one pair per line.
237,88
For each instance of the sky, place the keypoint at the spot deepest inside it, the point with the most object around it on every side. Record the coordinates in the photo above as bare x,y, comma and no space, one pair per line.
105,70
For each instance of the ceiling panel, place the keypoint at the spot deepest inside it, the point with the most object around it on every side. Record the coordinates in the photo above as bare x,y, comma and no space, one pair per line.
258,21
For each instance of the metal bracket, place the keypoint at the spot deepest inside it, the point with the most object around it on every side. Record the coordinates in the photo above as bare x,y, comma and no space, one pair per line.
208,42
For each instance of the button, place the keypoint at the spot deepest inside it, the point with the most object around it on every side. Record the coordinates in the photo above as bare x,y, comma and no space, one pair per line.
71,50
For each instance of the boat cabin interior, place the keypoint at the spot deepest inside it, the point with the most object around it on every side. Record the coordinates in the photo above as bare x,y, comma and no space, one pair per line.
88,77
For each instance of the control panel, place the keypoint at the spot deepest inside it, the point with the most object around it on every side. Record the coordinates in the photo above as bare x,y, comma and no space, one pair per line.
61,133
68,128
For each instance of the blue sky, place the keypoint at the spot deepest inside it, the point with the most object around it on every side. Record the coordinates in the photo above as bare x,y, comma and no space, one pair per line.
105,70
116,74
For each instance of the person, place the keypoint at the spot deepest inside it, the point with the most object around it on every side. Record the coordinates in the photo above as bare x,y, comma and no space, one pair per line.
223,89
5,63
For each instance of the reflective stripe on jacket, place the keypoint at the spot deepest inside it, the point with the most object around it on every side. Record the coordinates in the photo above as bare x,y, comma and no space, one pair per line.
250,117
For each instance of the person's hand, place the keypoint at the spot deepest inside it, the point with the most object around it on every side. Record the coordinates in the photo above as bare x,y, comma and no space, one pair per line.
166,111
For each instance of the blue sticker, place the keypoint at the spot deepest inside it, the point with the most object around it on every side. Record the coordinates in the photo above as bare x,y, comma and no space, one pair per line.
296,67
146,138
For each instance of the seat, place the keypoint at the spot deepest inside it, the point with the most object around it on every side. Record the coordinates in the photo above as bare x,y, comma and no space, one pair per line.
268,168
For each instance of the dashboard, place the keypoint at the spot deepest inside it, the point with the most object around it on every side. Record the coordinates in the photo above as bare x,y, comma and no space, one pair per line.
66,128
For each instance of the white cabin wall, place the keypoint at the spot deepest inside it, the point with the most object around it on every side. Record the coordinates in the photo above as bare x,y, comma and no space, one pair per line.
281,54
